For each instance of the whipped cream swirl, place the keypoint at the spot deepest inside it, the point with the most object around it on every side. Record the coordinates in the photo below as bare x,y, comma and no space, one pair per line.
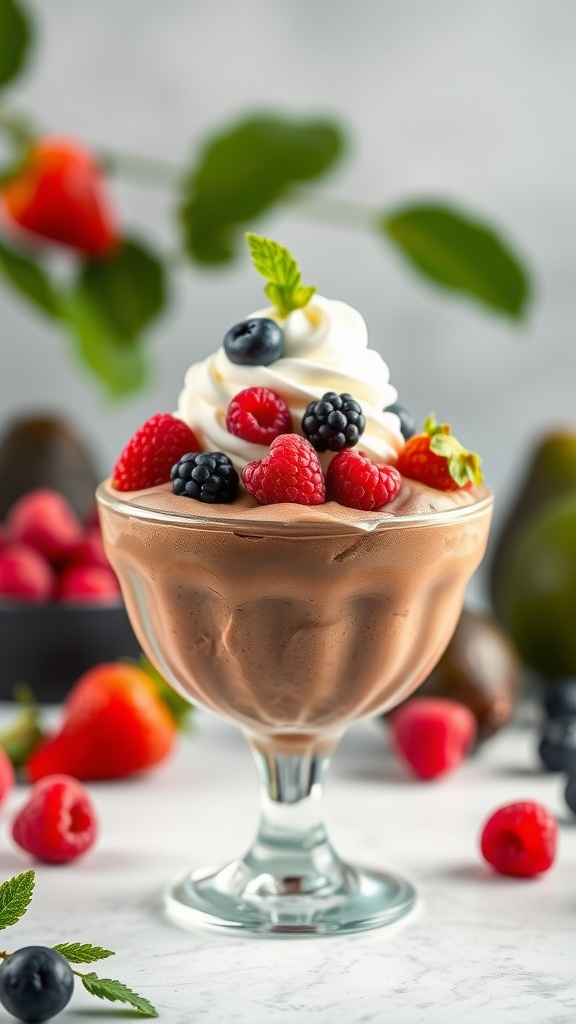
326,349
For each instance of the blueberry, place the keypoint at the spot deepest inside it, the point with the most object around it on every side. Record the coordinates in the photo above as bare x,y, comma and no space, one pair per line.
256,342
557,747
407,421
560,699
570,793
35,983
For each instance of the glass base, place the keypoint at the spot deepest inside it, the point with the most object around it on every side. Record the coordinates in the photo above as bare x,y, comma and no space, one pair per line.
234,898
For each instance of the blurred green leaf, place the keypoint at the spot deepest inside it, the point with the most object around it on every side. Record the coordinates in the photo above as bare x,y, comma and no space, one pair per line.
129,287
15,37
120,365
247,169
461,253
29,279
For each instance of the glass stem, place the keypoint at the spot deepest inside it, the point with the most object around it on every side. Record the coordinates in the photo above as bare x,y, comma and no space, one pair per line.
291,853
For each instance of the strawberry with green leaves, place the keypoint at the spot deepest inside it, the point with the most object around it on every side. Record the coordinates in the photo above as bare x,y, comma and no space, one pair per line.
436,458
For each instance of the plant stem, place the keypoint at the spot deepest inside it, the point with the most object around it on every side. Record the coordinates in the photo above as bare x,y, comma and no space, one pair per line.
340,212
143,169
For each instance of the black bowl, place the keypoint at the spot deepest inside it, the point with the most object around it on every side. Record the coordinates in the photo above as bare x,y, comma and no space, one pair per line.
49,646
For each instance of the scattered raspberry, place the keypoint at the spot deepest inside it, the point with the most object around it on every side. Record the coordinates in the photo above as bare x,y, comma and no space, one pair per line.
290,472
520,839
437,459
87,584
58,822
258,415
45,520
356,482
25,575
150,454
90,550
432,734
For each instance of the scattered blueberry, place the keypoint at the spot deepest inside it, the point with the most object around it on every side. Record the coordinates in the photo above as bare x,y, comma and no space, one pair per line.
558,745
570,793
256,342
407,421
35,983
206,476
560,699
333,423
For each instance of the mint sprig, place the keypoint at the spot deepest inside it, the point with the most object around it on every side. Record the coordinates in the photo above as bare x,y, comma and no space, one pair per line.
277,265
15,896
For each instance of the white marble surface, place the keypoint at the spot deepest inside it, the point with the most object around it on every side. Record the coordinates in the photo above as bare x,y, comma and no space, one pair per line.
478,947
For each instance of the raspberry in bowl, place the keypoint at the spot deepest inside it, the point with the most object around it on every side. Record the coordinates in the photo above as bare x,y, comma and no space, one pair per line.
320,590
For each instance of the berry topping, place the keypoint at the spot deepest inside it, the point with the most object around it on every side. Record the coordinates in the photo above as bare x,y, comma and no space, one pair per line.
58,822
407,421
290,472
256,342
333,423
206,476
150,454
437,459
258,415
432,734
35,983
520,839
353,480
557,747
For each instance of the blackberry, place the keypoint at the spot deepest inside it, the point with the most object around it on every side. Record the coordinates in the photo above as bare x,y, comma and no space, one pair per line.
206,476
333,423
256,342
35,983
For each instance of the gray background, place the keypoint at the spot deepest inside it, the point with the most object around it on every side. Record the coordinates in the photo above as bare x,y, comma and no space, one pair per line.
469,101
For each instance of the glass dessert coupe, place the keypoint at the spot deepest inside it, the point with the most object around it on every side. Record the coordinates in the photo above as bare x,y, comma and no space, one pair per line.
293,623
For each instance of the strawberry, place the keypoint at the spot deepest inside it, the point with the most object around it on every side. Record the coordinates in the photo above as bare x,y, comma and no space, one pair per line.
44,519
150,454
7,777
114,724
355,481
520,839
58,195
437,459
432,734
57,823
290,472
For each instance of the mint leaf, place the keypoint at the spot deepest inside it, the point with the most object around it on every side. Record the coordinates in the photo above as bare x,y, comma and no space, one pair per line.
119,363
15,37
82,952
115,991
243,171
15,896
128,288
456,251
275,263
29,279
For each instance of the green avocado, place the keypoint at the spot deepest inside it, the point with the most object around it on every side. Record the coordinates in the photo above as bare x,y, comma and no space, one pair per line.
537,598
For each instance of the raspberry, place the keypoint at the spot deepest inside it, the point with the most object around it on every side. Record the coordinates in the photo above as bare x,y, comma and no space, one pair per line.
333,423
258,415
25,575
58,822
206,476
45,520
150,454
87,584
437,459
290,472
432,734
356,482
520,839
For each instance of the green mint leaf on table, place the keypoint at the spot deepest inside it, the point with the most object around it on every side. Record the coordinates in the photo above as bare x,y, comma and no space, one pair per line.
82,952
246,169
455,251
29,278
115,991
276,264
15,38
15,896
